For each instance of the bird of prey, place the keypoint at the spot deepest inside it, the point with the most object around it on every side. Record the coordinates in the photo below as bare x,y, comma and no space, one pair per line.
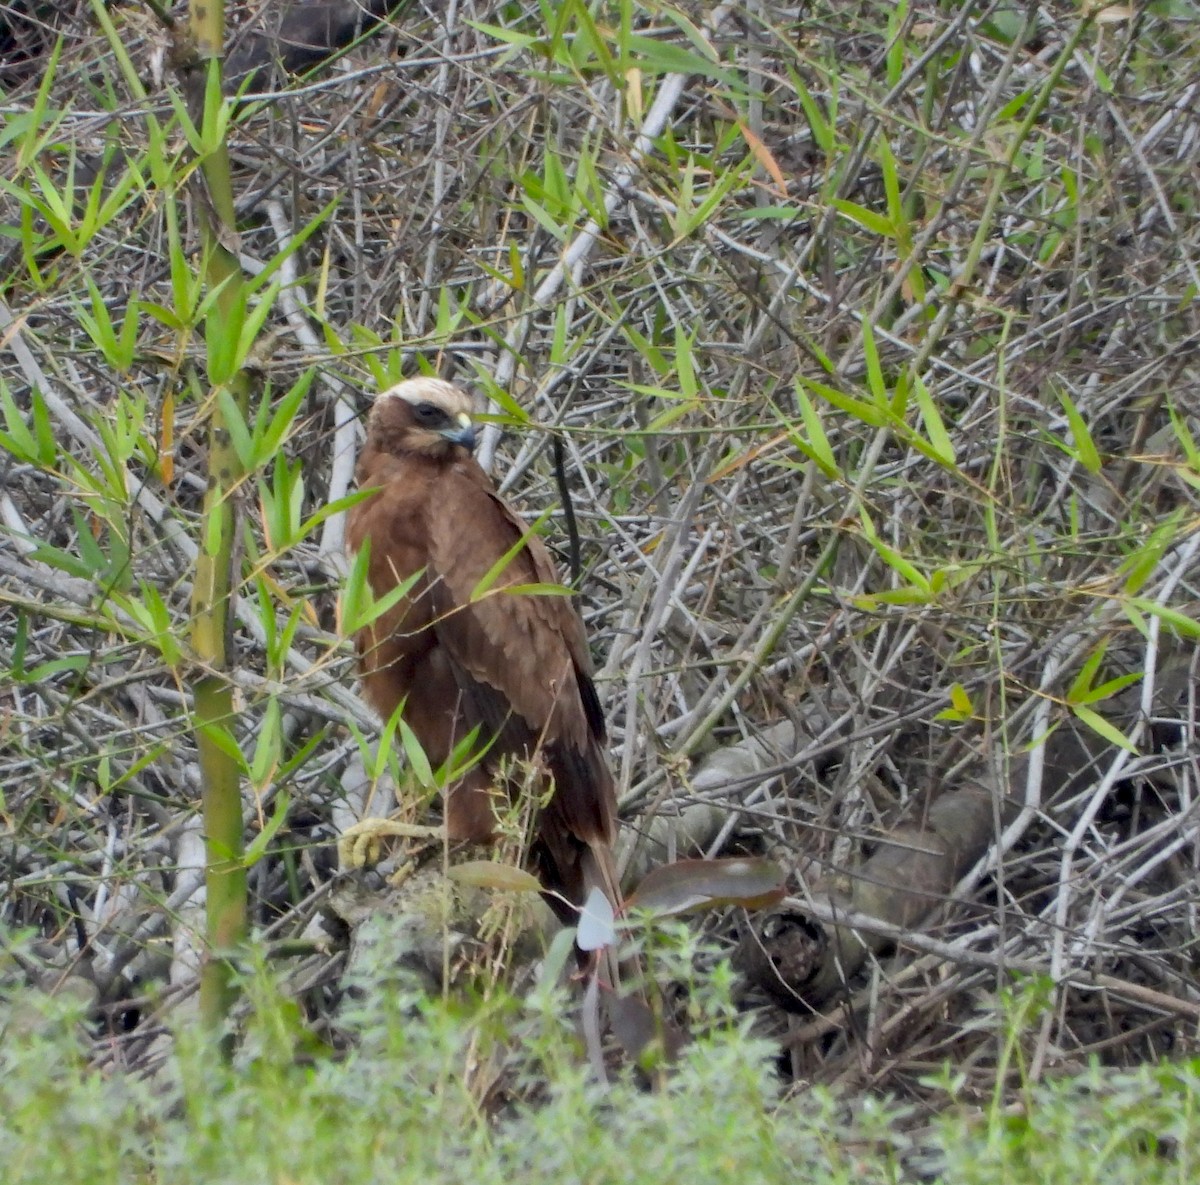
467,648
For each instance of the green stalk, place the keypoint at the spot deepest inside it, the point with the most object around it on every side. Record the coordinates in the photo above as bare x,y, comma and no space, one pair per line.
216,577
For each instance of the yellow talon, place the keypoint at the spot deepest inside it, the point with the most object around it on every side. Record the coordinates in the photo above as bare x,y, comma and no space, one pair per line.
362,845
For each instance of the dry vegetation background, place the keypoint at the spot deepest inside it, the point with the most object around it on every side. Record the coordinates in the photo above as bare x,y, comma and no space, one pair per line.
869,336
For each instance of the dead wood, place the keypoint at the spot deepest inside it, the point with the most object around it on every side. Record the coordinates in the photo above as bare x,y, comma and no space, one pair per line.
28,29
802,954
688,821
801,962
289,39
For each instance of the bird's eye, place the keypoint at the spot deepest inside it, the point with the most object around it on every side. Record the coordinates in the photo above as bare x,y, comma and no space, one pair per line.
429,413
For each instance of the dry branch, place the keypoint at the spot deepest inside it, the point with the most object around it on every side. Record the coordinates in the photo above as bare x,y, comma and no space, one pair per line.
810,948
296,38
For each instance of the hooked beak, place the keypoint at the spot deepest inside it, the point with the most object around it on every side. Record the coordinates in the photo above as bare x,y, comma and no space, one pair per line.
462,433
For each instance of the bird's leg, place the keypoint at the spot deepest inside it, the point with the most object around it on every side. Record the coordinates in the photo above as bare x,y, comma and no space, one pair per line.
362,845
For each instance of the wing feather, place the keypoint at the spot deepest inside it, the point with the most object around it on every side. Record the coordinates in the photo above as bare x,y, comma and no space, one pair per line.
521,660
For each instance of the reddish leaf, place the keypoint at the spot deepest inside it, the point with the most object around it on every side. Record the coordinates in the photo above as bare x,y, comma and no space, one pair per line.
752,882
488,874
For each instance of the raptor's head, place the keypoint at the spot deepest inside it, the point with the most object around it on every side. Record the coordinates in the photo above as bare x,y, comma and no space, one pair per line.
424,416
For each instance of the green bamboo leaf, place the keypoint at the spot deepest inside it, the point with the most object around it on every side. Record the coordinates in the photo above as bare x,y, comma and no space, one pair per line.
1184,436
912,595
98,323
536,590
126,343
1083,681
465,756
162,627
866,413
418,761
1136,619
255,283
505,36
543,218
1103,728
271,429
129,72
897,404
301,756
511,408
647,350
652,56
1010,110
1144,562
815,444
590,189
218,111
517,265
268,747
186,289
34,446
33,143
184,121
891,186
257,848
489,578
20,642
770,214
868,219
220,737
590,38
73,663
323,512
935,429
1181,623
894,56
561,344
1085,451
54,204
907,571
287,509
684,364
234,423
222,331
1110,688
359,607
654,392
822,129
672,414
736,175
62,561
875,381
108,196
253,323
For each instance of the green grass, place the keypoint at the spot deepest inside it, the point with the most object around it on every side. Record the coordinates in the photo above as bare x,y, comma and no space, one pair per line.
496,1091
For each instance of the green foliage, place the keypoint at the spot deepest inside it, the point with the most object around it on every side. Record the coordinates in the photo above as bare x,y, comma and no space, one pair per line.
410,1101
32,441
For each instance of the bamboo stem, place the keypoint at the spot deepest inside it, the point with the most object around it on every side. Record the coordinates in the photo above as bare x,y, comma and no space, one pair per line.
216,577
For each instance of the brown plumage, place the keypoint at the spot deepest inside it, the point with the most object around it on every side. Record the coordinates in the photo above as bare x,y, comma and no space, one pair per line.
516,665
